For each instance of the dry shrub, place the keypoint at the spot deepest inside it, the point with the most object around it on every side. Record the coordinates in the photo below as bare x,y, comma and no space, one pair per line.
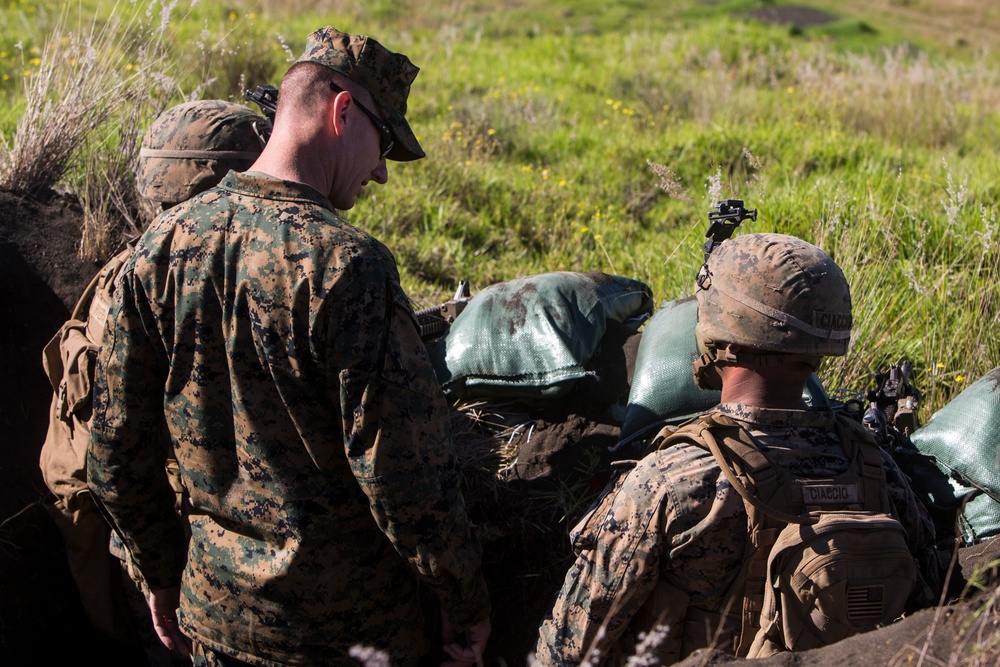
89,78
81,81
900,95
112,207
242,57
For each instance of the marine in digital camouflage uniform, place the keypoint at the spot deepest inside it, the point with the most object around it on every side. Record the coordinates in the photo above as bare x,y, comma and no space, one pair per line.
273,342
186,151
658,555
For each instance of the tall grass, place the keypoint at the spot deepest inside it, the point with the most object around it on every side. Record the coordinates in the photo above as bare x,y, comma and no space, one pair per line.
97,83
546,167
541,122
80,83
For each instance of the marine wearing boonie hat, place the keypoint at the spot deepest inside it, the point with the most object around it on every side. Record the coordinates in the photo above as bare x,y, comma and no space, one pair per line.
383,73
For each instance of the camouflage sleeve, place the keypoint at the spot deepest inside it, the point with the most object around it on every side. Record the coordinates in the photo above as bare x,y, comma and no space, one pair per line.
127,452
920,535
398,441
619,548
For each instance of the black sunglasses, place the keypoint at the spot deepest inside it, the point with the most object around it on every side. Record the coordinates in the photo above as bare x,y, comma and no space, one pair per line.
385,142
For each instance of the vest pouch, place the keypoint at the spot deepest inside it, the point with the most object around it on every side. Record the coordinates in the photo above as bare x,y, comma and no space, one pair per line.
850,572
69,360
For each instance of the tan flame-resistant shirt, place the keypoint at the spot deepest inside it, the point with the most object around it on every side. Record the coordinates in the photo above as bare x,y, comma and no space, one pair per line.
272,341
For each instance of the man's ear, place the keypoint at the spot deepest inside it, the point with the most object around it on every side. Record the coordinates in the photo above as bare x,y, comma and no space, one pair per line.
339,105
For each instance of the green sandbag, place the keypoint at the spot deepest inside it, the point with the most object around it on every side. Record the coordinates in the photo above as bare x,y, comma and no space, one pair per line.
964,439
532,337
663,389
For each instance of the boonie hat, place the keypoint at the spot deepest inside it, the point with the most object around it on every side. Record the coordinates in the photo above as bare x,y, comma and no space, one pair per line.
189,148
385,74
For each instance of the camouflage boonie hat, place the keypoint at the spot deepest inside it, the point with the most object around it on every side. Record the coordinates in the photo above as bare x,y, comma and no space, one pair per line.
386,75
190,147
775,293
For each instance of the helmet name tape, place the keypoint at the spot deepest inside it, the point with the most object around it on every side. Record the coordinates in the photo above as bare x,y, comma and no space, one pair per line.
830,321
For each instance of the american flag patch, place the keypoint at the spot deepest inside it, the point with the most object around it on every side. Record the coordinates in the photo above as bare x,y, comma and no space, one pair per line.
865,602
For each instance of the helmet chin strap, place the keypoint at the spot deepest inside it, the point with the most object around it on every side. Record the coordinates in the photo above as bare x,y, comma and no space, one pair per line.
706,373
705,368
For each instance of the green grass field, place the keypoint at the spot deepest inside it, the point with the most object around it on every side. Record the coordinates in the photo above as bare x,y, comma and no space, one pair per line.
596,135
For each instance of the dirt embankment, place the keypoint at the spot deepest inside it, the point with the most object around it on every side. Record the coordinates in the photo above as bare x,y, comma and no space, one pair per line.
41,619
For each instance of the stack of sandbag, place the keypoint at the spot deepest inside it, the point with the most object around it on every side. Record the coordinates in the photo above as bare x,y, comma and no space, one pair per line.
533,338
963,438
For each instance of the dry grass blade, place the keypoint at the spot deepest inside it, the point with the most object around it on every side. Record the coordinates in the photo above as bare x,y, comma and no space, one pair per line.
979,622
112,207
84,77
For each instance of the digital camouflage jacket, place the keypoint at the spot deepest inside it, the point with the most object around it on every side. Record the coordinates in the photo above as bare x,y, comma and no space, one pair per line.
662,548
273,342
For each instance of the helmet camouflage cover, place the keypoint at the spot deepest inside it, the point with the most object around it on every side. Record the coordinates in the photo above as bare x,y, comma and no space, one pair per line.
190,147
774,293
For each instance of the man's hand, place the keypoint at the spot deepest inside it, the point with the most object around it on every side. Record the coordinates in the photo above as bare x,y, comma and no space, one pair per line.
163,605
471,651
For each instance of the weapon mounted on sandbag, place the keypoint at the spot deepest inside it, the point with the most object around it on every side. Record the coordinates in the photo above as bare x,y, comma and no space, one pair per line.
434,321
892,408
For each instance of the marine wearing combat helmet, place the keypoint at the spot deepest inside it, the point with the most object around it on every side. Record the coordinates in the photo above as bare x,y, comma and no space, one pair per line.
662,560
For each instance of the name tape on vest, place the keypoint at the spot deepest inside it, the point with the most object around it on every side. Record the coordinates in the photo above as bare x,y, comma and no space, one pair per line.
820,494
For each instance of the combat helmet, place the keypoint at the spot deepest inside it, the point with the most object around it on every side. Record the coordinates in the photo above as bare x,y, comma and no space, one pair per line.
190,147
776,298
